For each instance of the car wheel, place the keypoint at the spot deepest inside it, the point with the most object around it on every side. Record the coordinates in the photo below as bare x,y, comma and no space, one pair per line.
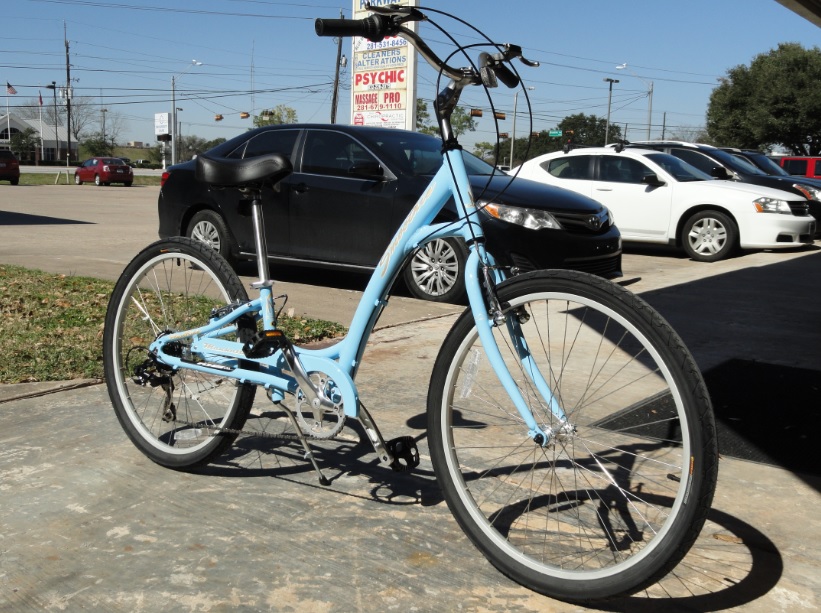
709,236
209,227
436,271
77,180
127,183
14,181
97,180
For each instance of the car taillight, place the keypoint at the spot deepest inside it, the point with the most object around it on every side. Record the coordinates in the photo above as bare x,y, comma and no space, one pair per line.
106,168
164,178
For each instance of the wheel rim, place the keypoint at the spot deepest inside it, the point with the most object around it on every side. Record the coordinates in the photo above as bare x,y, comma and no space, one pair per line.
598,500
206,232
97,180
707,236
435,268
169,293
77,179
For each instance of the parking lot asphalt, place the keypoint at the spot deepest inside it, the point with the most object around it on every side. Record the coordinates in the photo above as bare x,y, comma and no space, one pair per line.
90,524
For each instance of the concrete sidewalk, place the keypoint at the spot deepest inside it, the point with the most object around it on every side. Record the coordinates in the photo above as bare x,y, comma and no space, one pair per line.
90,524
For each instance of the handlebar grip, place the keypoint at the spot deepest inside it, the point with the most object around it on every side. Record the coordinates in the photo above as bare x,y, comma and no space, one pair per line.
506,76
374,28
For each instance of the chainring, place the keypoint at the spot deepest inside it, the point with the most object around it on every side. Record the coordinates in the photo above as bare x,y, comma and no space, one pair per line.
320,423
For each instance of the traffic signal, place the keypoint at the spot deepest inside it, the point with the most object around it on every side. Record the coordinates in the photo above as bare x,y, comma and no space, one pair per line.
217,117
244,115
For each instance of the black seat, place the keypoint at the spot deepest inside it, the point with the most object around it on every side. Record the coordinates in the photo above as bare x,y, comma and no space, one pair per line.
248,172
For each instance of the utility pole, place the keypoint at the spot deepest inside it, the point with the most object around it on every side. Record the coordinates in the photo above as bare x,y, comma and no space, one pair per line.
610,82
68,99
335,99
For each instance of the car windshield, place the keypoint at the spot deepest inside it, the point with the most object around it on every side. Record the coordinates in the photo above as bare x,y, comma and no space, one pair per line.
735,163
422,154
764,163
679,169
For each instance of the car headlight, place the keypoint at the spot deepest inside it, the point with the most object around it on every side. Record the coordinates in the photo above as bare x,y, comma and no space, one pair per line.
533,219
771,205
810,193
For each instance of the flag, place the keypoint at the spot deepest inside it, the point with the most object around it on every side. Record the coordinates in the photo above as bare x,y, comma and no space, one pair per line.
10,89
41,98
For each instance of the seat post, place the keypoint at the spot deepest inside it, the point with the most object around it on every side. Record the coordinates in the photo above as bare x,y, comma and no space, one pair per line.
260,243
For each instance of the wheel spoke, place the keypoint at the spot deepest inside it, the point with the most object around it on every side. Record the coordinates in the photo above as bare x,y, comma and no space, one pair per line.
603,493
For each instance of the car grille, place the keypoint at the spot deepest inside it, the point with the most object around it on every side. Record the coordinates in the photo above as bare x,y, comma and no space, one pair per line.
587,223
607,267
799,209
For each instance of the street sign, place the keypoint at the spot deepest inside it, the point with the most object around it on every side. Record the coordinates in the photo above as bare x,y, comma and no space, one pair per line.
554,133
161,124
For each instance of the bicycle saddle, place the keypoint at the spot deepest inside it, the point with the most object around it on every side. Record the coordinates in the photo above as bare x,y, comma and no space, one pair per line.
269,168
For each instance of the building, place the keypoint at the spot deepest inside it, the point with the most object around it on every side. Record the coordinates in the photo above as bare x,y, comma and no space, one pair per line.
52,143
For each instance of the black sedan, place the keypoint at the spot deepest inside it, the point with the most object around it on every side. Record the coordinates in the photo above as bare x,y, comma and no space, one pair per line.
352,187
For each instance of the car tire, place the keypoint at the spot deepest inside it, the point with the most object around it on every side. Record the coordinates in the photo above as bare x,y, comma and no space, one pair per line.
436,271
14,181
97,181
127,183
77,180
709,236
210,228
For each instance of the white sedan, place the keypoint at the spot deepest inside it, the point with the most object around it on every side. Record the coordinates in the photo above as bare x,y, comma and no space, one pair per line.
657,198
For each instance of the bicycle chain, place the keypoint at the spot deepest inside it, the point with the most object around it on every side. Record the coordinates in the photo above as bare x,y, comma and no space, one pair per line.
214,431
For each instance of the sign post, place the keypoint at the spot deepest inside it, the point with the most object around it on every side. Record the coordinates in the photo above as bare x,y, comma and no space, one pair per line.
383,91
162,132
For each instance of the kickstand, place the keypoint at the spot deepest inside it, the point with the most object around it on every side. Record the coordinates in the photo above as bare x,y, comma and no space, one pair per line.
308,451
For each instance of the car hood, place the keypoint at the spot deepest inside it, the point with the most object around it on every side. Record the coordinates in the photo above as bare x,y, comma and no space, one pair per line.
505,189
736,187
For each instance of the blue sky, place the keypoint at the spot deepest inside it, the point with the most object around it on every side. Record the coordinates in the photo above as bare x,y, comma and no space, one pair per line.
256,54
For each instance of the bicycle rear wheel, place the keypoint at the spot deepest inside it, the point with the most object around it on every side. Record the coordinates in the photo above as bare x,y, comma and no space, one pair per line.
173,417
618,495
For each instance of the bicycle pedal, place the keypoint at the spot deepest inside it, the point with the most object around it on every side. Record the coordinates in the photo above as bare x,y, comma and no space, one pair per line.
404,452
264,344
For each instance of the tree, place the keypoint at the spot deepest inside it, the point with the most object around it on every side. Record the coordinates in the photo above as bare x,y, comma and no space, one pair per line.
776,100
577,130
484,150
460,120
691,134
280,114
25,143
189,146
96,145
84,111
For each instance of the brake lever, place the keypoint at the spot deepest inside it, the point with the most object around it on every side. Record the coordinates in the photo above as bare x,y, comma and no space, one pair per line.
512,52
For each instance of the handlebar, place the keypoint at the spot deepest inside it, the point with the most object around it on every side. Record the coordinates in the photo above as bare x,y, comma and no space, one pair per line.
374,28
389,20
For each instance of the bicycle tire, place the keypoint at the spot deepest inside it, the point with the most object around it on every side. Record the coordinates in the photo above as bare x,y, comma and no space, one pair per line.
609,506
169,286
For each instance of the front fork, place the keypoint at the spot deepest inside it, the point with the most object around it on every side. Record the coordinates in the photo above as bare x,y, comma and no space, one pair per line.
489,313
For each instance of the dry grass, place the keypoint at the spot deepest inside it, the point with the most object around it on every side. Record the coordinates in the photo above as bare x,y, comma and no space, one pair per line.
51,326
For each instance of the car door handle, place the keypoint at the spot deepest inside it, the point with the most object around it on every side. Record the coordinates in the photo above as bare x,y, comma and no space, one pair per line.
300,188
604,189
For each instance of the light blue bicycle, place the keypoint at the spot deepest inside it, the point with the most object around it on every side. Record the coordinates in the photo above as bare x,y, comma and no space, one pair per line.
569,428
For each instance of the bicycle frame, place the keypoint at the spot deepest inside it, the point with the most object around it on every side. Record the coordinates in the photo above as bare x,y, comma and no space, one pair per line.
341,361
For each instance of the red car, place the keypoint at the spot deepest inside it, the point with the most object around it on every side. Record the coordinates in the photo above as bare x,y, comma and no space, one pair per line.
104,171
9,167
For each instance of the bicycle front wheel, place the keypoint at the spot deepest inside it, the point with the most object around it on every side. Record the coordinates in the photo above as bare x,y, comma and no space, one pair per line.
175,417
617,496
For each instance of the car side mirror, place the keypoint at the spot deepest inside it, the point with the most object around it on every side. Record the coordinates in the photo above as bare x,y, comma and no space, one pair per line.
367,170
719,172
652,179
